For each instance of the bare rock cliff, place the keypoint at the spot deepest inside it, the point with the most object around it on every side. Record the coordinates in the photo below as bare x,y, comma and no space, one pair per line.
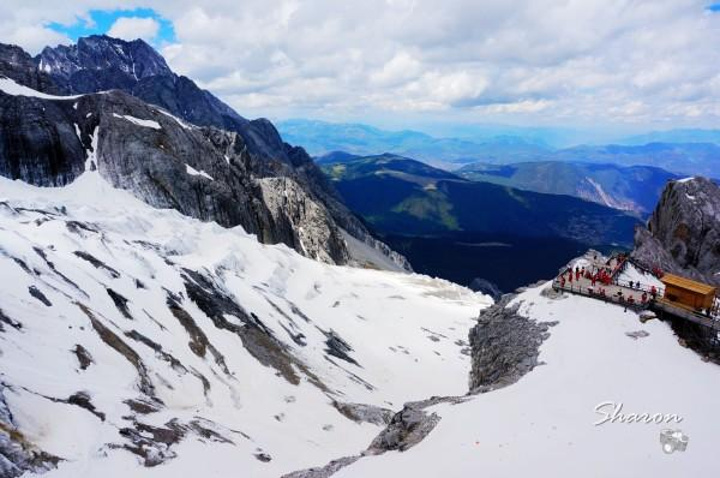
683,233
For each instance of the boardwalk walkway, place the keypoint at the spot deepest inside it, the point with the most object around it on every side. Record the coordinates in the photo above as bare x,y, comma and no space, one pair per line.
613,293
621,273
618,290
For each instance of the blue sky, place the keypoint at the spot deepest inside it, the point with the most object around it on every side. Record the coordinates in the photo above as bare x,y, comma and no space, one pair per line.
102,21
630,65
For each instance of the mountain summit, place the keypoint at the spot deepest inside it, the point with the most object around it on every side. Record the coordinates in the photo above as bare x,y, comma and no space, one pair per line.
100,62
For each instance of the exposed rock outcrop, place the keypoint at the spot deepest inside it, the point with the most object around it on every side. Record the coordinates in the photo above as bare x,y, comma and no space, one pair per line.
683,233
313,231
201,172
406,429
362,413
325,471
505,346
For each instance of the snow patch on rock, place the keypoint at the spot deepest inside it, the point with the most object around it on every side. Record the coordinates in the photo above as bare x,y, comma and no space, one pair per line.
194,172
10,87
140,122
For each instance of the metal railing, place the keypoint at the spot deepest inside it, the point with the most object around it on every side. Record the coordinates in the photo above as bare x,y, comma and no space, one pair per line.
654,301
711,321
611,299
660,291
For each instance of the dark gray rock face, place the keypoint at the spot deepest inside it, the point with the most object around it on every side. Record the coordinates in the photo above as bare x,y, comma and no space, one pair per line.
362,413
406,429
268,156
311,229
505,346
248,175
99,63
683,233
38,142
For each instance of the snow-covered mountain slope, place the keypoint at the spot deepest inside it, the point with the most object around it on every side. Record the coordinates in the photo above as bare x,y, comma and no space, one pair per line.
140,342
544,425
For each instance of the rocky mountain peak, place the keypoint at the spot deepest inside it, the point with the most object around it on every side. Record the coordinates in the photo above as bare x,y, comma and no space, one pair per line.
135,60
683,233
14,55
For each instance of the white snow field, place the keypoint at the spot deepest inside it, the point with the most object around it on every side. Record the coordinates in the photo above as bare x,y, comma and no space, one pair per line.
11,87
406,335
138,121
112,263
543,426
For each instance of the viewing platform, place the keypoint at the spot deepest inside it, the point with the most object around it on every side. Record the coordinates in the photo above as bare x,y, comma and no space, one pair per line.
620,280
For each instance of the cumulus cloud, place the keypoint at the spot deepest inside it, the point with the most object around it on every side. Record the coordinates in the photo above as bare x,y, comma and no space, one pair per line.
400,68
562,61
32,37
131,28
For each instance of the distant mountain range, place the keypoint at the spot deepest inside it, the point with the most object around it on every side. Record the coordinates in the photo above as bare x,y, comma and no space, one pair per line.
634,188
402,196
320,138
675,136
682,158
687,152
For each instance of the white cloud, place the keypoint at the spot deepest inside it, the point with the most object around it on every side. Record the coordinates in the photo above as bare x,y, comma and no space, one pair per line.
400,68
32,38
531,61
132,28
526,106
